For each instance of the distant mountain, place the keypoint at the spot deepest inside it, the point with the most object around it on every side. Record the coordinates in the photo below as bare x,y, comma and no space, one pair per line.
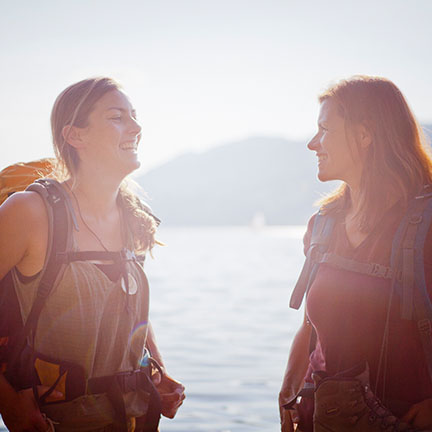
230,184
236,182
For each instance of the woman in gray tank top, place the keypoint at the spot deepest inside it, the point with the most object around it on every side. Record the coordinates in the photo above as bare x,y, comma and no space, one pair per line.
96,316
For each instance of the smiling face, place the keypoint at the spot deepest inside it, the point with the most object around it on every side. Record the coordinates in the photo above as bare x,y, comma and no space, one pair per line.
110,140
335,147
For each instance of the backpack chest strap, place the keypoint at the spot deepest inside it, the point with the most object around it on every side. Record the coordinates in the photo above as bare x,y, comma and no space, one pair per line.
123,256
370,269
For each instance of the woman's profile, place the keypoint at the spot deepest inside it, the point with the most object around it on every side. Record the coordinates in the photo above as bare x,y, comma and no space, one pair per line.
359,361
92,350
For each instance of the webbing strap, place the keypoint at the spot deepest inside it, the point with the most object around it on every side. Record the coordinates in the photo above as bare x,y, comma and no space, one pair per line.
115,396
121,256
321,232
370,269
302,282
408,271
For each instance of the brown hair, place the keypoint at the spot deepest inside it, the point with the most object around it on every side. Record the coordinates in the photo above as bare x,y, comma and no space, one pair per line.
396,163
72,108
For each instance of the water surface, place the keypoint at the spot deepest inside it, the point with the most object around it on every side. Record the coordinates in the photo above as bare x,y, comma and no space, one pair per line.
219,306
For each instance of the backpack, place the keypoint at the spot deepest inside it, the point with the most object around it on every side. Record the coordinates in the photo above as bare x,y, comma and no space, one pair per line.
17,177
18,360
406,270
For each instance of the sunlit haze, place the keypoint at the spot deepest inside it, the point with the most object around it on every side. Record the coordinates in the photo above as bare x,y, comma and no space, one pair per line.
202,73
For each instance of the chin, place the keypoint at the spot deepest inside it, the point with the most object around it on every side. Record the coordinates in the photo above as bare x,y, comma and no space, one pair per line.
322,176
133,166
136,164
132,163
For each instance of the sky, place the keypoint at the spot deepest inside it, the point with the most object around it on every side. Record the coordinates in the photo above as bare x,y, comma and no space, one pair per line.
202,73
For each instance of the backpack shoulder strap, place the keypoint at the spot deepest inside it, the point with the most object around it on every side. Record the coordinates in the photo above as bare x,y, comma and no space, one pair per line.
320,239
59,227
408,257
421,299
424,223
407,254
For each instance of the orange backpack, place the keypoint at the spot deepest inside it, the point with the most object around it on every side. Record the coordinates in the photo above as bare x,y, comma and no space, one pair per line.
17,177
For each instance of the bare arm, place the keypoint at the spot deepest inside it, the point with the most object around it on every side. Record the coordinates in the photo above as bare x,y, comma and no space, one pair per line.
170,390
23,233
23,242
152,346
298,362
19,410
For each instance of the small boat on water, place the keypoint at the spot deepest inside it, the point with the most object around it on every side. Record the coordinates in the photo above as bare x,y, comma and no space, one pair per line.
258,221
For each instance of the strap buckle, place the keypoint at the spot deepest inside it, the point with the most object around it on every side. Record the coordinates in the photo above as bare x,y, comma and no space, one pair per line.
416,219
379,270
314,252
424,326
127,255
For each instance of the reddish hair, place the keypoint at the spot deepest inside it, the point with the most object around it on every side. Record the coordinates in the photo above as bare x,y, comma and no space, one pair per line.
397,164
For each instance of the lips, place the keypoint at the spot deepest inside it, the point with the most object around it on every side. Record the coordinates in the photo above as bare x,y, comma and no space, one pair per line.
321,157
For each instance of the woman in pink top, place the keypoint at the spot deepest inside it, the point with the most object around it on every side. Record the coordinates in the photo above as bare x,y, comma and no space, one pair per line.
369,139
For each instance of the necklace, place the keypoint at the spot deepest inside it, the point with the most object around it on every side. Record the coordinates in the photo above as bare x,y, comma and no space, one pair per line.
84,222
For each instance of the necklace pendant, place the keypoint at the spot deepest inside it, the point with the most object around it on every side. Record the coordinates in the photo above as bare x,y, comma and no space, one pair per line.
133,285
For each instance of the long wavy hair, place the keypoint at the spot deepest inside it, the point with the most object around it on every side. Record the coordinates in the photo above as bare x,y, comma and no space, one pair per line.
72,108
397,164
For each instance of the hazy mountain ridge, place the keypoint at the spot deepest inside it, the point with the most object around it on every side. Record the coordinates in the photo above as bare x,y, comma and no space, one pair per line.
228,185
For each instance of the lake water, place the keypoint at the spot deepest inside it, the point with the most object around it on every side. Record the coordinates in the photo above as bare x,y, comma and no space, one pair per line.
219,306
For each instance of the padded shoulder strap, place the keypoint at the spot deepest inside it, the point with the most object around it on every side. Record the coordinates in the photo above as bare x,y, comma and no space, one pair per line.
408,256
321,234
422,303
58,233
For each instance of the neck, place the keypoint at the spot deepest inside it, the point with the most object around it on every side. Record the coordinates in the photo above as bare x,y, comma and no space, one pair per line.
355,196
96,194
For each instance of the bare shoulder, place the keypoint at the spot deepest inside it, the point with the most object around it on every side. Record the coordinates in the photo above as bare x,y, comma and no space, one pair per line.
26,200
24,207
23,232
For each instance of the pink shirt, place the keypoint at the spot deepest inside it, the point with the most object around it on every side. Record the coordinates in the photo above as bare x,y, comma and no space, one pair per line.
348,311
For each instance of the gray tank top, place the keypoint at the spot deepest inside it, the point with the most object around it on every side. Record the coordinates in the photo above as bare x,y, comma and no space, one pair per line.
85,320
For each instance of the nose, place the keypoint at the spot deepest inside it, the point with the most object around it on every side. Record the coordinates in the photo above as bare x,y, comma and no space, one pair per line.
135,126
313,143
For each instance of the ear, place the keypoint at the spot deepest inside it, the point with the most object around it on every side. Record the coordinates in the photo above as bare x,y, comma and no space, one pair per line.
364,137
73,136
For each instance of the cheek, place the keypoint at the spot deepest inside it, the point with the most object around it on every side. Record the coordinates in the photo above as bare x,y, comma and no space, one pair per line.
112,134
327,142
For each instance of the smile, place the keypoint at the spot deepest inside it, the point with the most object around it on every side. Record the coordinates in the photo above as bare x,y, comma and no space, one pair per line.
129,146
321,157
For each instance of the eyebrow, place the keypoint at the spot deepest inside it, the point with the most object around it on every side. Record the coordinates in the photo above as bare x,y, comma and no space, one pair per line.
121,109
